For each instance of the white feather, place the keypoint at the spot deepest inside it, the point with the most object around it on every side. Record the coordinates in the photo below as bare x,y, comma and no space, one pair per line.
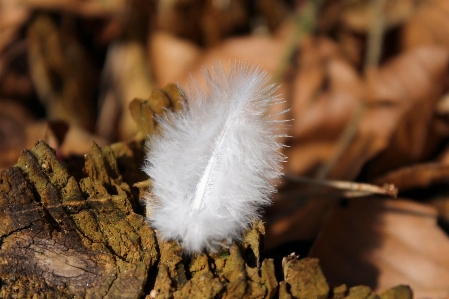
214,163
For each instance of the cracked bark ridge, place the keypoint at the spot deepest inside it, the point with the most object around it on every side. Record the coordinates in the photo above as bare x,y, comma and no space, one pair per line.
62,239
239,272
232,273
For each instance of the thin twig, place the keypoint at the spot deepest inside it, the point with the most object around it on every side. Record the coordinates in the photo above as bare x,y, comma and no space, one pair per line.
353,189
343,189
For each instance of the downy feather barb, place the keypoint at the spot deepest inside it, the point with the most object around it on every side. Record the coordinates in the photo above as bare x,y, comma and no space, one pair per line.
214,163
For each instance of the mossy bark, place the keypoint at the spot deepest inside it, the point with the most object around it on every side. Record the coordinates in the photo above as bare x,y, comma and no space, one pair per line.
66,238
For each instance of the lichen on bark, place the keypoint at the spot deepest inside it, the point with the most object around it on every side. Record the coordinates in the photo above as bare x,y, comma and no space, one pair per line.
63,238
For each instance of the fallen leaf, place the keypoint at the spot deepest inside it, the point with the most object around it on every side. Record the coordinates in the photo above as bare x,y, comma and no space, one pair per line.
418,176
171,56
428,26
381,242
412,84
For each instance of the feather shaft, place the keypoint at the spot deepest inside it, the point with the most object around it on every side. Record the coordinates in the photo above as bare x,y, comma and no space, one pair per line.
198,201
205,181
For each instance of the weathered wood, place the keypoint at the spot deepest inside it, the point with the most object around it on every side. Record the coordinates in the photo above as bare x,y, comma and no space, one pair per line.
62,238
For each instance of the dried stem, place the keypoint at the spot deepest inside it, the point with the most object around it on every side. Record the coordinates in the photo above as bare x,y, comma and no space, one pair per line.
353,189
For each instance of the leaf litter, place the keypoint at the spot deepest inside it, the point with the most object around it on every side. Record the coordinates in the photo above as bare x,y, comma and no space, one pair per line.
366,82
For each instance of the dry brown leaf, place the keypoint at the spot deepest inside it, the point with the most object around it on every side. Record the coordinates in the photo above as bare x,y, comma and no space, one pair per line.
171,56
393,97
326,90
267,51
399,110
417,176
429,26
429,179
303,221
261,50
411,85
382,243
395,100
325,94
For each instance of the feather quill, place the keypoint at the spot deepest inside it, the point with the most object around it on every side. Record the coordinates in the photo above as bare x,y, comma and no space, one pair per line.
214,163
